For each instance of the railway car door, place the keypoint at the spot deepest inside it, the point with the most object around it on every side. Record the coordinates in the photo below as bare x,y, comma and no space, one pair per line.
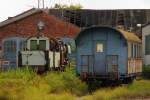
87,64
100,57
112,65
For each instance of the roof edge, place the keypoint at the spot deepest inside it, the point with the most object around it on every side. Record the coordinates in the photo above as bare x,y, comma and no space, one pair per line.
20,16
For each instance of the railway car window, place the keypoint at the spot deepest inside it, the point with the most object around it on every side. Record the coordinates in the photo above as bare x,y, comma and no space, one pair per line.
33,44
132,50
139,51
99,47
135,51
147,45
42,44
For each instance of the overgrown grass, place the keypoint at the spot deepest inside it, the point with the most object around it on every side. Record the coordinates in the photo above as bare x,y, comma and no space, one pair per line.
26,84
137,90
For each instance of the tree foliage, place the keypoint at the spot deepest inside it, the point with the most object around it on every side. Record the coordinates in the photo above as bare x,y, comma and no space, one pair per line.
69,7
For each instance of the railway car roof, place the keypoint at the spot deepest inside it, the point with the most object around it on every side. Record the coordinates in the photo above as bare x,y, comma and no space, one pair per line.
127,35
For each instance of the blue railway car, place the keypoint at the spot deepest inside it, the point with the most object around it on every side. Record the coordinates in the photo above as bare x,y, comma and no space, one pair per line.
108,54
10,48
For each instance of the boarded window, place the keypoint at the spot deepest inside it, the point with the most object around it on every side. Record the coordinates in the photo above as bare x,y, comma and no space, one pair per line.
33,44
42,45
99,47
147,45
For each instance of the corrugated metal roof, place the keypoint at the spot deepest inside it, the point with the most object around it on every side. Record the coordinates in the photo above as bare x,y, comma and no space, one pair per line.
129,36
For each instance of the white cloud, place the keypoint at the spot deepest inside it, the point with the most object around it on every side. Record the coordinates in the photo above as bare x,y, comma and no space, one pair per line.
115,4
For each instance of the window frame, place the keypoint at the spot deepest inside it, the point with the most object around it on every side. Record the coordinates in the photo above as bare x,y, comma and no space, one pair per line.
99,47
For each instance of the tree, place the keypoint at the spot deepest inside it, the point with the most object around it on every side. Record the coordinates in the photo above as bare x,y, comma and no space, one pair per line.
69,7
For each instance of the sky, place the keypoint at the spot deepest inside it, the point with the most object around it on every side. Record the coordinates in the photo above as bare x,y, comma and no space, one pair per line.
10,8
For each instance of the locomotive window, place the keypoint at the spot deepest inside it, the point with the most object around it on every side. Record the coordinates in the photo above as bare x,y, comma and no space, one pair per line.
33,44
42,44
99,47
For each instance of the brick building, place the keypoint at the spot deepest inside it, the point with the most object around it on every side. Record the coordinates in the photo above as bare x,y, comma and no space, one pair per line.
25,25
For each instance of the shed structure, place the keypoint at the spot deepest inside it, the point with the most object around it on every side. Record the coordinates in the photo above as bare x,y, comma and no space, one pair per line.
146,44
105,52
24,25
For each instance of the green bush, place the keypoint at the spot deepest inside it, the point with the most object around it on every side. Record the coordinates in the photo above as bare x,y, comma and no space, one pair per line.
66,82
146,72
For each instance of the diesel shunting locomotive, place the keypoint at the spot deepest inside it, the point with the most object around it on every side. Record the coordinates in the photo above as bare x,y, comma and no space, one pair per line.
44,53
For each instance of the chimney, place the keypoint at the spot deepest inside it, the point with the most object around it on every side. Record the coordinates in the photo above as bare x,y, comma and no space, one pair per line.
10,17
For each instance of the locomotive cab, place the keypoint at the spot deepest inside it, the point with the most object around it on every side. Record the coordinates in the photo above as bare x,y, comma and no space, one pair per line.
36,53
